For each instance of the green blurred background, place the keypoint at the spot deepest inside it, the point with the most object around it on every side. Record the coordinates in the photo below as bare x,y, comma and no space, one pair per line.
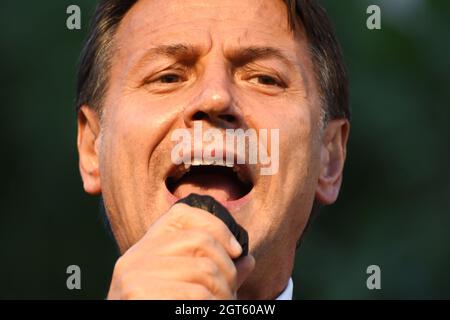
394,209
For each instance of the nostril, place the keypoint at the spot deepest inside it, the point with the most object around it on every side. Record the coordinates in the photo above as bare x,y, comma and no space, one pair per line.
228,118
200,115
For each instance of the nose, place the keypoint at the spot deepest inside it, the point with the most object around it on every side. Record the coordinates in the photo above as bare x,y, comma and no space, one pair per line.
214,103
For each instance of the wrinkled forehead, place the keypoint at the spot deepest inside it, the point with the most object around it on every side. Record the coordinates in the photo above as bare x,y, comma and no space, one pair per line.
205,23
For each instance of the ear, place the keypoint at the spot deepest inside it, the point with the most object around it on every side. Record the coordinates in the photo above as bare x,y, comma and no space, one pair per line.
87,141
332,159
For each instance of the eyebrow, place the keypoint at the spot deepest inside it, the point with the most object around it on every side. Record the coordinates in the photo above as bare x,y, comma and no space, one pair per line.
242,56
180,52
185,53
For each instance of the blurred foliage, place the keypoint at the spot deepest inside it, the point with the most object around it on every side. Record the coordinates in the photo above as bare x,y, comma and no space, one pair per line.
393,210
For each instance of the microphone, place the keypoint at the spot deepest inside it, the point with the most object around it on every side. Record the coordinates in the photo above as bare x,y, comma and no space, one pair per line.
214,207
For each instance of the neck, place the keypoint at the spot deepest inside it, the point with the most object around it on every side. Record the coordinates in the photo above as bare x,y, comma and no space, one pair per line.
267,283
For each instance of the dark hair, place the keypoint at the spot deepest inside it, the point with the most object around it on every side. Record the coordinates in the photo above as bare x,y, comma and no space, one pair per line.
326,54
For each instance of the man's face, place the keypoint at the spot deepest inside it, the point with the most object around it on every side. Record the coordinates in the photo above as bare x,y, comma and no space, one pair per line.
227,64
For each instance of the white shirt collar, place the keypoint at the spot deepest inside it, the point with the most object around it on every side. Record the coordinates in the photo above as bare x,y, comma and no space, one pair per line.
287,293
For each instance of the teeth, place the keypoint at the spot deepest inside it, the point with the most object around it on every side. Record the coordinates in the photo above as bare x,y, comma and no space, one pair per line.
208,162
219,163
182,170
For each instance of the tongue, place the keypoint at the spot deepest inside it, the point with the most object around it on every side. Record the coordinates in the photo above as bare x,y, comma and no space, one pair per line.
220,186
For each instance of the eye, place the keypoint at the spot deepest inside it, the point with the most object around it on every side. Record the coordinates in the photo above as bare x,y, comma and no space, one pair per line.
169,78
165,82
165,78
265,80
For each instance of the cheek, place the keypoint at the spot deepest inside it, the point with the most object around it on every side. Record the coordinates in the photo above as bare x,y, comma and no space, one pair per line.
138,124
297,133
299,152
130,134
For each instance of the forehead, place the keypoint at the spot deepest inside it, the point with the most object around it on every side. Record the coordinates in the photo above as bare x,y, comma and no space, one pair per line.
205,23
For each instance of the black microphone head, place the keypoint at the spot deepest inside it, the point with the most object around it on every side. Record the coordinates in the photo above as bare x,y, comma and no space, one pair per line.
214,207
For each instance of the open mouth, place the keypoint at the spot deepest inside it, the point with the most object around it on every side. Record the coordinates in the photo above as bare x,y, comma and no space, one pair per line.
222,182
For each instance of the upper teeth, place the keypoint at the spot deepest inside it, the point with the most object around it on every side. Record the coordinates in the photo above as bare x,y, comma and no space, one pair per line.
187,167
208,162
